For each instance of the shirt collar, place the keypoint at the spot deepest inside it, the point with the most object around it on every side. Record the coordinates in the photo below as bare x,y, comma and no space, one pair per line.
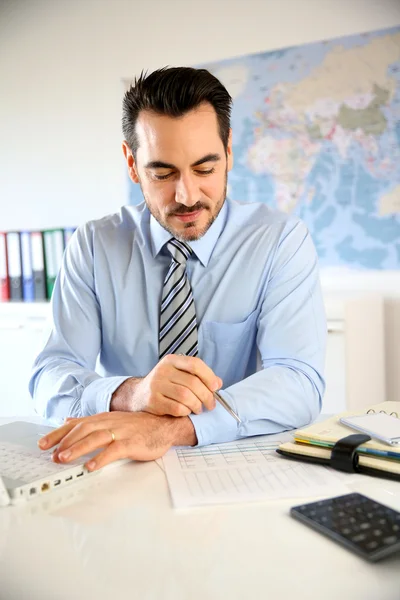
203,247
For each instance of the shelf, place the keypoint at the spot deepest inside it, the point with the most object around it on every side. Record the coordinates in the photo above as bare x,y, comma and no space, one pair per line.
25,309
22,315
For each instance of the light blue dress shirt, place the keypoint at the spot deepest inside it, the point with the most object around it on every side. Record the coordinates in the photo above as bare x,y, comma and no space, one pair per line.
260,315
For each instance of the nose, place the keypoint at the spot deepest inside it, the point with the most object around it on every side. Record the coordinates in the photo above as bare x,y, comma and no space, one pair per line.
187,191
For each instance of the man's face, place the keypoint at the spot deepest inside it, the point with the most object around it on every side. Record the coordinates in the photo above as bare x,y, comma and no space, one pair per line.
182,168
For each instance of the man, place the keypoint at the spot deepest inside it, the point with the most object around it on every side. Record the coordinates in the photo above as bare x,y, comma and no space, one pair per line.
185,294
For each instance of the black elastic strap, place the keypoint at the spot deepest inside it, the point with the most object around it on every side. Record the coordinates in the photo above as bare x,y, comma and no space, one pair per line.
344,455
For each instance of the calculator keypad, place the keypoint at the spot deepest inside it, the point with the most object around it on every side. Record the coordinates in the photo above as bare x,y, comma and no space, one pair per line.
363,525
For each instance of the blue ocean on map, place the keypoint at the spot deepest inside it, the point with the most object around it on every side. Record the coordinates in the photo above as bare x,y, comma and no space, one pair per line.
316,132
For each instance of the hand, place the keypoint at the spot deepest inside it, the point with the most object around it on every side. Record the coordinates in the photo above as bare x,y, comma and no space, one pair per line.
178,385
138,436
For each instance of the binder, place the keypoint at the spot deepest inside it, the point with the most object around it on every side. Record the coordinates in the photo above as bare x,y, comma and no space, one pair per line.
53,252
38,270
4,281
331,443
58,248
68,231
27,271
14,265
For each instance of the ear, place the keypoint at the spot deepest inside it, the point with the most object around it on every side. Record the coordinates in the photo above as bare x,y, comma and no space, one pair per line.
130,161
229,151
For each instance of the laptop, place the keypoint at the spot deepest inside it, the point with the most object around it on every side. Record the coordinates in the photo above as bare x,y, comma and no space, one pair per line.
26,471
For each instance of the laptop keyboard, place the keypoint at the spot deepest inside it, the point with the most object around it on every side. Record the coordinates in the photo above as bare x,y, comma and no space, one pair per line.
18,462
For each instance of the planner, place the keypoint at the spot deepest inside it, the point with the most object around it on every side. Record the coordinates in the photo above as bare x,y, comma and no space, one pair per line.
332,443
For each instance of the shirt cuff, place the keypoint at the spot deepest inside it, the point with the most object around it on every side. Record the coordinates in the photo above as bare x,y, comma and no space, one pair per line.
216,426
96,396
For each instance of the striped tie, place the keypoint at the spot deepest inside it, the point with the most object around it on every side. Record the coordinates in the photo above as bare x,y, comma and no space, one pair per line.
178,327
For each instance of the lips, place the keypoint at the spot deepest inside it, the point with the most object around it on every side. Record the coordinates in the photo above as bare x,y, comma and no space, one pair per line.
189,216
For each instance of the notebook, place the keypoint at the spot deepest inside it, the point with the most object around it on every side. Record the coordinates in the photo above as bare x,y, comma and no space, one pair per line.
26,471
316,442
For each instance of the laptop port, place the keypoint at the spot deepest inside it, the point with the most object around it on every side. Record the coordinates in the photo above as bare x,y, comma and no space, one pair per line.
45,487
80,474
32,491
68,478
57,482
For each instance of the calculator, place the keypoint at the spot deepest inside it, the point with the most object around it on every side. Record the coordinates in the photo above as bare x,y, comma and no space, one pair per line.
368,528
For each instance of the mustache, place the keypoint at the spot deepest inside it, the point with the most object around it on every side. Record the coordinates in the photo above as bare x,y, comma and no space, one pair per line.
183,210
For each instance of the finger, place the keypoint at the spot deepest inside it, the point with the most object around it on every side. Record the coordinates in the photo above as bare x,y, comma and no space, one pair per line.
196,386
93,441
107,421
126,448
113,452
84,429
195,366
167,406
183,394
52,438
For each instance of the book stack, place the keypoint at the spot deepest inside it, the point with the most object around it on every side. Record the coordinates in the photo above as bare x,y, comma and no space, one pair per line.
29,263
316,443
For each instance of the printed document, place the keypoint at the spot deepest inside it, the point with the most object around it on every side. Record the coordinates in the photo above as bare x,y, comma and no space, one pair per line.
245,470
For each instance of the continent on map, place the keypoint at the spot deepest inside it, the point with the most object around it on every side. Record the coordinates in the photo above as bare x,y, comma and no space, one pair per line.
371,119
389,203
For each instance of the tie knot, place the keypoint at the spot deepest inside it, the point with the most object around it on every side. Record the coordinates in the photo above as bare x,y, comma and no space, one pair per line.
180,251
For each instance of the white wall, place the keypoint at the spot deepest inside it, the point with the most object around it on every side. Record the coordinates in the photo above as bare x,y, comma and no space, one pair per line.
60,75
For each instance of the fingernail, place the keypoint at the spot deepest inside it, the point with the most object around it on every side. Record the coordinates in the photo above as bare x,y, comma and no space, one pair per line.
42,443
64,455
91,465
216,385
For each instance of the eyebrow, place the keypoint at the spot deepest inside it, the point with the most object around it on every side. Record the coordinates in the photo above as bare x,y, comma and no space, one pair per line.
159,164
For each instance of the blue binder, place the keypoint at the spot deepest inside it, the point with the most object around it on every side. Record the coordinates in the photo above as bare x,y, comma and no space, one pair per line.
27,272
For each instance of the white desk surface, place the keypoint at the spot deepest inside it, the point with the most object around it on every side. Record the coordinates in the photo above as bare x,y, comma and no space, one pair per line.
117,537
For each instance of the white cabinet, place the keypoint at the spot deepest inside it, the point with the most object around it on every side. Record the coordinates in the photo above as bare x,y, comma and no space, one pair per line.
335,372
355,361
21,335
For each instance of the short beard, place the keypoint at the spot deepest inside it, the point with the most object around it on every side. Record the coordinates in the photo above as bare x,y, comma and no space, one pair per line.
191,237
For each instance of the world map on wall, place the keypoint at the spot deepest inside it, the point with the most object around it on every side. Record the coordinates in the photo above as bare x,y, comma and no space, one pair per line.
316,132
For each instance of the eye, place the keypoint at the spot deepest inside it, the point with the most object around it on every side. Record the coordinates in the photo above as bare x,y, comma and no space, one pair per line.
209,172
161,177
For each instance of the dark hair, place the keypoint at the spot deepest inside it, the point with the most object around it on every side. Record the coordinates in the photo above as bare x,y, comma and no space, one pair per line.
174,91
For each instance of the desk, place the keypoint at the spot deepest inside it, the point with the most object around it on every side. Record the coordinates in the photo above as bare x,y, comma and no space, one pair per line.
116,537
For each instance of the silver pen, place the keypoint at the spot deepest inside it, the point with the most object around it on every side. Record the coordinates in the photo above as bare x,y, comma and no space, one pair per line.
223,403
226,406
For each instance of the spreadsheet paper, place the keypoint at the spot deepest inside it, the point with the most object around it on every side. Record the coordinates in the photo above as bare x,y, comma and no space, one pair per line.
242,471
